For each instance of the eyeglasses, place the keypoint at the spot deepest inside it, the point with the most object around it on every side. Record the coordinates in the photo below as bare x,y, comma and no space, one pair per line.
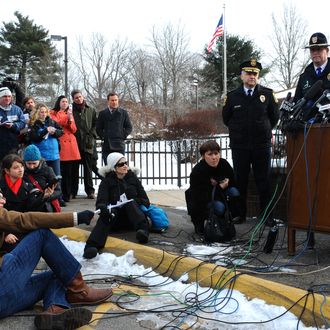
121,164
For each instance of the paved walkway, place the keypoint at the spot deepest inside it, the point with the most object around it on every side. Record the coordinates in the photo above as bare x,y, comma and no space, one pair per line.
171,198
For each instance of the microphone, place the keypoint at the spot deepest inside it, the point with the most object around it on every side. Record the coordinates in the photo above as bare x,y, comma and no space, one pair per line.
286,104
311,93
325,94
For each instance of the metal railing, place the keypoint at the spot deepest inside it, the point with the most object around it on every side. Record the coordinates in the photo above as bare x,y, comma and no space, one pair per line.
169,162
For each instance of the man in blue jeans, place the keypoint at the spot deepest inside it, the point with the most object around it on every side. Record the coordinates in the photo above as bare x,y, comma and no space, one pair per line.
60,287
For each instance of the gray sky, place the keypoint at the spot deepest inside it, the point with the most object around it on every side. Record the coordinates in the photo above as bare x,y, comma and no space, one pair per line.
134,19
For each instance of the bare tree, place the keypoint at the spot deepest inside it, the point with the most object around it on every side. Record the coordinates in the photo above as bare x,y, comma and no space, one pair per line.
101,67
288,39
173,63
140,78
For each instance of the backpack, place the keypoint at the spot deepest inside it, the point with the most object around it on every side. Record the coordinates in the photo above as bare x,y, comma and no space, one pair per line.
219,229
157,216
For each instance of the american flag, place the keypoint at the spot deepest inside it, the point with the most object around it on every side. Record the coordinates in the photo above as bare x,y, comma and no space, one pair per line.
217,33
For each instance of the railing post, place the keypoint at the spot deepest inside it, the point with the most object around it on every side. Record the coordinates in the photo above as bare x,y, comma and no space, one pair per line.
179,162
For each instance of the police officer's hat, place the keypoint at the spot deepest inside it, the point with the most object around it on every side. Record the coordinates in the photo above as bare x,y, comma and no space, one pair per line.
251,66
318,39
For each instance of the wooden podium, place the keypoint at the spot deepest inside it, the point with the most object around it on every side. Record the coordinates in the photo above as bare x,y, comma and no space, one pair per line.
317,151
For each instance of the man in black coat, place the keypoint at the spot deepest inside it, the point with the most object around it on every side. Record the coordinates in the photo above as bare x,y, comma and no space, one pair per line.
113,126
250,112
211,171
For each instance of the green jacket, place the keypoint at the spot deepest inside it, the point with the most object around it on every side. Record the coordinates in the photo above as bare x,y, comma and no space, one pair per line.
86,128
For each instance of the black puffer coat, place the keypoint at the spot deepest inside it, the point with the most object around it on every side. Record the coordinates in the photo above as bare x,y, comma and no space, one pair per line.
111,187
200,191
44,174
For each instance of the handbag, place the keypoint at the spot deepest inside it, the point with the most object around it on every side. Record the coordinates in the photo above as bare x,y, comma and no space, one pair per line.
157,216
55,202
219,229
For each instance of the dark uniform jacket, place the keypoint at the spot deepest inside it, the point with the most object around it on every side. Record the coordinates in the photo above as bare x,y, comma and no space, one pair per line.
200,190
309,77
250,119
113,129
111,187
306,81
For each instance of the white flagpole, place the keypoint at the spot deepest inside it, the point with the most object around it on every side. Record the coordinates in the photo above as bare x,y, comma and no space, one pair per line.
224,53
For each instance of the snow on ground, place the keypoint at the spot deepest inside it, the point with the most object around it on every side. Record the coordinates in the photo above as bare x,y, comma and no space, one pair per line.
190,301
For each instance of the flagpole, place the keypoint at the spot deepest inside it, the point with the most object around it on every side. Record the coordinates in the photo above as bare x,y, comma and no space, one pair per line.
224,53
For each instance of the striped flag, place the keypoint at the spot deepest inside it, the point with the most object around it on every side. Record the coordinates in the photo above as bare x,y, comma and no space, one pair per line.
217,33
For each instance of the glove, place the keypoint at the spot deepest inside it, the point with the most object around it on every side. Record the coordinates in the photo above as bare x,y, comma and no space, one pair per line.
85,217
104,211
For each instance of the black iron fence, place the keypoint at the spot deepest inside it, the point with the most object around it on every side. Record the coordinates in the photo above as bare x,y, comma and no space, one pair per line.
169,162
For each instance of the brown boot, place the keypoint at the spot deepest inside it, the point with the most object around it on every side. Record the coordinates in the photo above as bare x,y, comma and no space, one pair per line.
78,293
56,317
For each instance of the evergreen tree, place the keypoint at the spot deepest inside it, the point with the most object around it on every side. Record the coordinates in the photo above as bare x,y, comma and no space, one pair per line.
238,51
26,54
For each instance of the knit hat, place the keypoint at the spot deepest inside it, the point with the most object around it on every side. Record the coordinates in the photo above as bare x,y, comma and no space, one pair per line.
5,91
31,153
113,159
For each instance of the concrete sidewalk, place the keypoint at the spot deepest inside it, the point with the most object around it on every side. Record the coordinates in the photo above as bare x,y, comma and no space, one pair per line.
170,198
167,198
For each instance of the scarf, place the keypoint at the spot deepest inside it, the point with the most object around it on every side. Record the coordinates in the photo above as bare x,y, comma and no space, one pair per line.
13,186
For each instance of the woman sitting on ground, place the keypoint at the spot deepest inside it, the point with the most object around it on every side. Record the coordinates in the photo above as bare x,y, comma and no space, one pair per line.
42,177
60,287
211,171
119,184
20,195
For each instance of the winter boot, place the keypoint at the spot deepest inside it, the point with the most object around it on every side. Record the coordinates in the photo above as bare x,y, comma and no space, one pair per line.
56,317
78,293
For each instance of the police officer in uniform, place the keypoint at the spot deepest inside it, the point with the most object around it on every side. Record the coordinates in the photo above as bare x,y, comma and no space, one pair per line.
250,112
318,69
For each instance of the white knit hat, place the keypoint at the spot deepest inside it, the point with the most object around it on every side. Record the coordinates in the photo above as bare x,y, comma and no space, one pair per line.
113,159
5,91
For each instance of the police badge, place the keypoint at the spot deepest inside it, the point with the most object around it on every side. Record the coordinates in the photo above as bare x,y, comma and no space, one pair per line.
262,98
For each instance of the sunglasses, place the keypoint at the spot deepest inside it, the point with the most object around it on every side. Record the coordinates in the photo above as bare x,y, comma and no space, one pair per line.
121,164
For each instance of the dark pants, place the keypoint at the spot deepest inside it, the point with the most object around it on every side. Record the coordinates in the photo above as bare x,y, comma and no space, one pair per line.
129,216
87,163
67,176
260,161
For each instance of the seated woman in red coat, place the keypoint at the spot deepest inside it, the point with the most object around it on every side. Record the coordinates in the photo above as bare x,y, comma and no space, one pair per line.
119,184
210,171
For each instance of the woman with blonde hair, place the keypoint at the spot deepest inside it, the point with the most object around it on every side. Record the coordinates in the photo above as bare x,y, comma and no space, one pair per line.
44,134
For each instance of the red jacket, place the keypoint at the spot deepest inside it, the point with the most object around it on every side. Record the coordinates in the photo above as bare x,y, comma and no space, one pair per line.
69,147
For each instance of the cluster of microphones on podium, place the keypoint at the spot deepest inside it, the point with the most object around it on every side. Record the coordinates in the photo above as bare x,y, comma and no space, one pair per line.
294,116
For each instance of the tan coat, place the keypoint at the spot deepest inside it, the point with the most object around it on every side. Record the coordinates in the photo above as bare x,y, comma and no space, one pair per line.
16,222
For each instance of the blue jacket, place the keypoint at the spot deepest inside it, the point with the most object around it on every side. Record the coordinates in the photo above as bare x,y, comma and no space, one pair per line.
9,136
48,144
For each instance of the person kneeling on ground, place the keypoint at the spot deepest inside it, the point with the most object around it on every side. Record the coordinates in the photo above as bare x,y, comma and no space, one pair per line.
59,288
119,183
210,171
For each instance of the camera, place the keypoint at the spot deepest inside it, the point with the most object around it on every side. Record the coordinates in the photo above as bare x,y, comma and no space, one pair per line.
52,182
